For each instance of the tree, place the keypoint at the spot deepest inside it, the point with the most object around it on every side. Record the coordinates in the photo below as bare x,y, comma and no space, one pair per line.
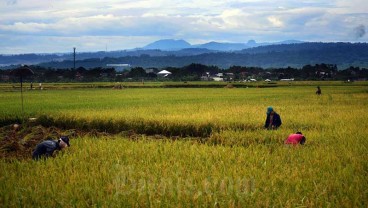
137,72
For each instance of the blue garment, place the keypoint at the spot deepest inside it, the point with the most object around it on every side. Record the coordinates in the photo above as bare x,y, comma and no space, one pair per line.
276,121
45,149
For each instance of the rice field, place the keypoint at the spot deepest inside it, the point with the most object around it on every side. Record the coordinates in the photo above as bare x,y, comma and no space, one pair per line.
212,150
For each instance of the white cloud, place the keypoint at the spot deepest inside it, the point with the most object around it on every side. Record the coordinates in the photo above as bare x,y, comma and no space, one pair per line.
197,20
21,27
351,6
275,21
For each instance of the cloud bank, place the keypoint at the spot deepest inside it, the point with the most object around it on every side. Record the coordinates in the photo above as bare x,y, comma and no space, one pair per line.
59,25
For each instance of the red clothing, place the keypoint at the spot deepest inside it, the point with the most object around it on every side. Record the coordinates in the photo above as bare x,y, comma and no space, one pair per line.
294,139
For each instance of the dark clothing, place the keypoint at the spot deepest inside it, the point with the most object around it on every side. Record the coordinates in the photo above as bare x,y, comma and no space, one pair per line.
45,149
318,92
275,122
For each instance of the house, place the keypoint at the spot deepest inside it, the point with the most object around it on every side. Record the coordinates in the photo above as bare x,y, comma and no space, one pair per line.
218,79
4,78
219,74
163,73
119,67
291,79
150,70
229,76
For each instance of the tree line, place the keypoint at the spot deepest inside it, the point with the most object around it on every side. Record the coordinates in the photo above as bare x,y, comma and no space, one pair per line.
191,72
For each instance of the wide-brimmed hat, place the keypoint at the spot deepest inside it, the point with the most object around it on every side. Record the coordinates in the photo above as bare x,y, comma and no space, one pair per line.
65,139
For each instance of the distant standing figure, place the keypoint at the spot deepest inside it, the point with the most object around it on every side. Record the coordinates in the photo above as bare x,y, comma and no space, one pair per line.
318,92
40,86
273,120
31,85
297,138
46,148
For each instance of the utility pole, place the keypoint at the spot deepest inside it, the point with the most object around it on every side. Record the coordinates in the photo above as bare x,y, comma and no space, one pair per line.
74,58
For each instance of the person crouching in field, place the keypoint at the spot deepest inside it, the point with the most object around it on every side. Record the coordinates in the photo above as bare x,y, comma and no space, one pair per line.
46,148
273,120
297,138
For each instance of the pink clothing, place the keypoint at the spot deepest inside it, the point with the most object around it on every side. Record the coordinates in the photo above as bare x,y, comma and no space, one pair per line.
294,139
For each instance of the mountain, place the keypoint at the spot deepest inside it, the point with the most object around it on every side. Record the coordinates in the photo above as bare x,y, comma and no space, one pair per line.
288,42
343,55
168,44
290,53
158,48
222,46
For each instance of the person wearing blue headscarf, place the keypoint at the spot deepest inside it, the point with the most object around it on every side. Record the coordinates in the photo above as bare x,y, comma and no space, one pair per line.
46,148
273,120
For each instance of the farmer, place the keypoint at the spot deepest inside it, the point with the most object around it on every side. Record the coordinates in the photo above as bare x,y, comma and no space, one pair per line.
273,120
47,148
297,138
318,92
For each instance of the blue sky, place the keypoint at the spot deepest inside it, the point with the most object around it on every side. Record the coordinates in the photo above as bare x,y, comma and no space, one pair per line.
40,26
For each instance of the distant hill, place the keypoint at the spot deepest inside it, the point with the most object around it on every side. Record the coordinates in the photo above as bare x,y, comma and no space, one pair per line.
158,48
168,45
330,47
222,46
294,55
287,53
